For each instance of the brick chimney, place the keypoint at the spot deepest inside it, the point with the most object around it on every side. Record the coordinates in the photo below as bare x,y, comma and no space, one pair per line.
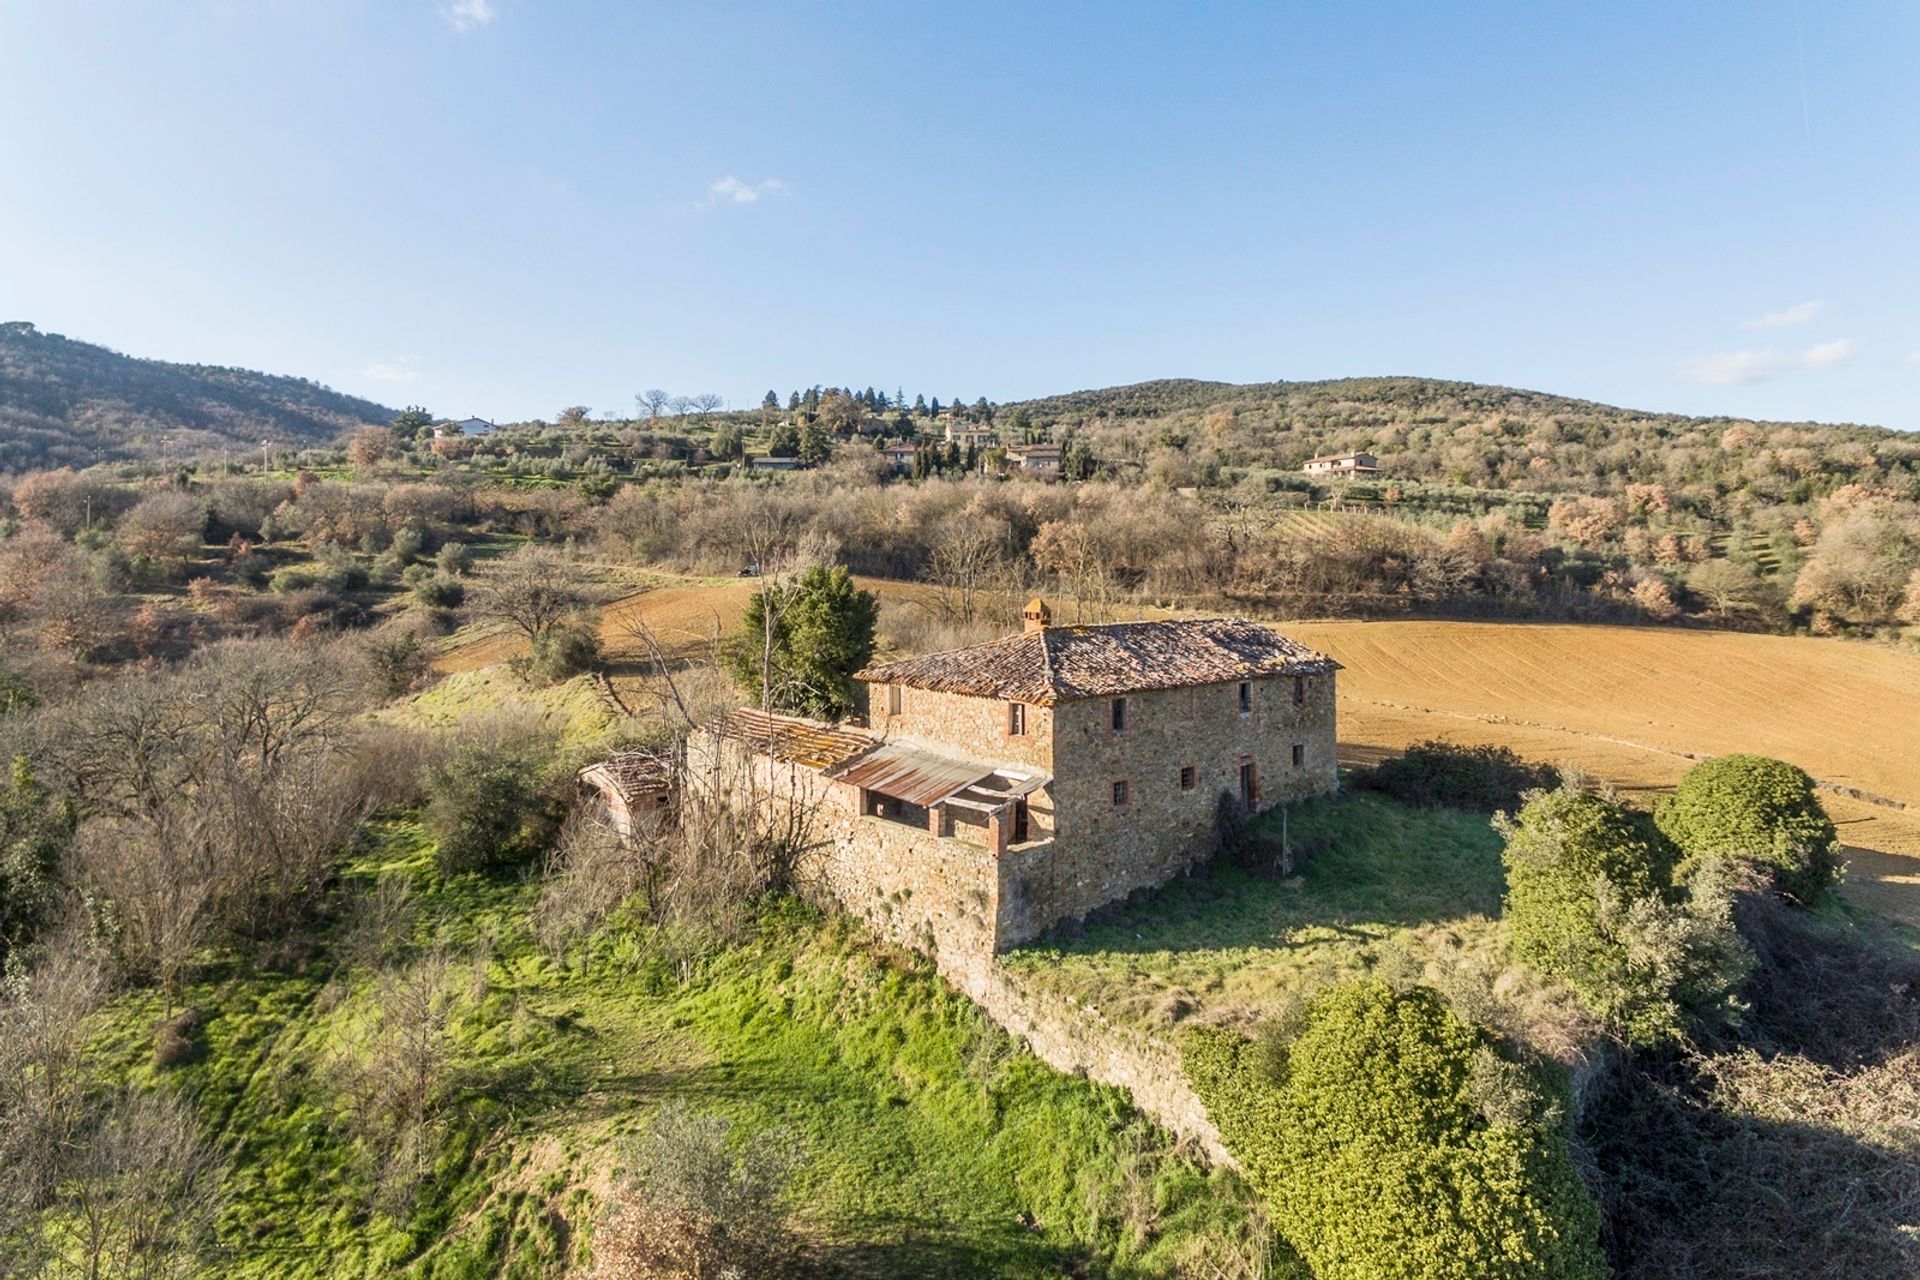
1036,615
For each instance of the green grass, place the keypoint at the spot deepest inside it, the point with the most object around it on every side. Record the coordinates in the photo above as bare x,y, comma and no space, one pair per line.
1398,886
936,1146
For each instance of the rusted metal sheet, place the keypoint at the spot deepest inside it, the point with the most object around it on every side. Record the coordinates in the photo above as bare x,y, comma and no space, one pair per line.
912,774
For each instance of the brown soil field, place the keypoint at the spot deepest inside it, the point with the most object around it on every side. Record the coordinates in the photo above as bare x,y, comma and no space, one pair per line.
1633,705
686,616
1638,705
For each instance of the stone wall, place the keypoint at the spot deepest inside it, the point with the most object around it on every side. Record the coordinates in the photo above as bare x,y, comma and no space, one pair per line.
964,725
937,895
1106,850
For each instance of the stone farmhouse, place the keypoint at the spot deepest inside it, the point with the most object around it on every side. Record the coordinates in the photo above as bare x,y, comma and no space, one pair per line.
998,790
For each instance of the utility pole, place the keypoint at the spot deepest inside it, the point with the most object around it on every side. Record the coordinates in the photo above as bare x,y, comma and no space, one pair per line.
264,463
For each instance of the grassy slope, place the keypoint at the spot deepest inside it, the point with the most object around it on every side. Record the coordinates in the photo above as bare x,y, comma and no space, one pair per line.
1399,887
938,1147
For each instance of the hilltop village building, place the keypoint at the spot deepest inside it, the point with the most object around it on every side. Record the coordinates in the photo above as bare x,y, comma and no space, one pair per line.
997,790
969,435
1043,459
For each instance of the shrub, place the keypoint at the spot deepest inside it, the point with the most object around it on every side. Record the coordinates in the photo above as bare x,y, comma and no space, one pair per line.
454,559
439,593
1589,900
1435,774
485,806
562,653
699,1200
1753,807
1391,1139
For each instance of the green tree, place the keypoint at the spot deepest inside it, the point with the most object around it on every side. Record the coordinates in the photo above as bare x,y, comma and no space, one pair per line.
1753,807
728,443
784,441
1077,462
486,808
1393,1141
800,643
816,443
410,424
1590,900
34,835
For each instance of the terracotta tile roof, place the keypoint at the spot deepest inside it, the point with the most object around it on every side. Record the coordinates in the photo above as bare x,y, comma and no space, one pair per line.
631,773
808,742
1059,664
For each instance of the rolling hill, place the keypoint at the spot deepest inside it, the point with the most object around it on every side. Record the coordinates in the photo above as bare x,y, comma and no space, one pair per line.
64,401
1469,434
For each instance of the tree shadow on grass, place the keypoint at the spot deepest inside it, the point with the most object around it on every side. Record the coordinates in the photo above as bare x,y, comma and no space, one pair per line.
1691,1188
1387,866
890,1247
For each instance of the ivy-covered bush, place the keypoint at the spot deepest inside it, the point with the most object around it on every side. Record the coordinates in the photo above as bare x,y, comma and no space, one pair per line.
1748,807
1393,1141
1434,774
1590,900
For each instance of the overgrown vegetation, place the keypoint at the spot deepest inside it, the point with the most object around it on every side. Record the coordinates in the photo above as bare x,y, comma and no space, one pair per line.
1390,1139
1752,808
1590,899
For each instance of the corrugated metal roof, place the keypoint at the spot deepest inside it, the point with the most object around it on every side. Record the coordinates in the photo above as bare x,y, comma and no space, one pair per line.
909,773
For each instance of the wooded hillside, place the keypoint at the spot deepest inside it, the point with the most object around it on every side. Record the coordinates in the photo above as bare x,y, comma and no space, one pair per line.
69,402
1463,433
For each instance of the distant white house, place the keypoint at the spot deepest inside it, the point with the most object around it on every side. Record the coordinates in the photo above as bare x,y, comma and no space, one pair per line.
900,456
462,427
1350,464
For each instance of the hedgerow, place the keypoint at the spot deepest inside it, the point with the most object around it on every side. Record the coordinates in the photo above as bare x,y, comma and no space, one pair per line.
1447,774
1391,1139
1749,807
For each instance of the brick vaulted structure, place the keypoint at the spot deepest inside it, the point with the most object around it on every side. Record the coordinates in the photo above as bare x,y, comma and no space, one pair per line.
997,790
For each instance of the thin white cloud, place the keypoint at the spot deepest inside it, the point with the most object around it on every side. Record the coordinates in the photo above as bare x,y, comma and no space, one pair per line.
466,15
730,190
1759,366
1912,361
1797,314
393,370
1828,355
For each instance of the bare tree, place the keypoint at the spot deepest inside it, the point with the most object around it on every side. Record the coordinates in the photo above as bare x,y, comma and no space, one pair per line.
653,400
705,403
142,1193
534,590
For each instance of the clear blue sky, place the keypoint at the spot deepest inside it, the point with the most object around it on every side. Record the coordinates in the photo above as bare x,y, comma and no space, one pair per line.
500,207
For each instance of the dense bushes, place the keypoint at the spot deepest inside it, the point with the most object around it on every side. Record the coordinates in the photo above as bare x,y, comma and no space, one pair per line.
1752,807
1434,773
34,833
1589,899
487,808
1391,1139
